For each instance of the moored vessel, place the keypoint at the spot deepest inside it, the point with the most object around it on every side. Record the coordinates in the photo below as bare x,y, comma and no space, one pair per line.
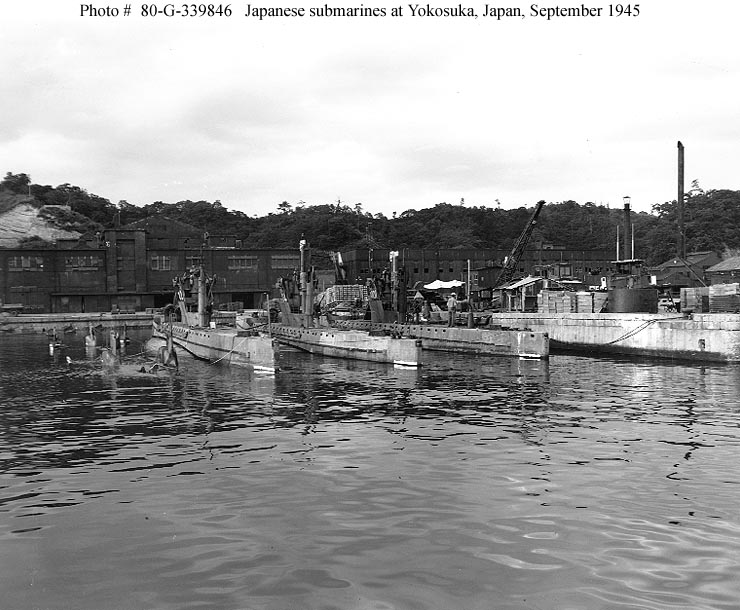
189,325
303,326
297,330
480,340
352,344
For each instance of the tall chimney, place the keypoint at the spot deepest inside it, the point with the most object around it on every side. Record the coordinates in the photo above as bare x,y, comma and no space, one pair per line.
627,230
681,245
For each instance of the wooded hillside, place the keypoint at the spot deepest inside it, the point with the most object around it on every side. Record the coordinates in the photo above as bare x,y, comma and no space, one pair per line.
712,221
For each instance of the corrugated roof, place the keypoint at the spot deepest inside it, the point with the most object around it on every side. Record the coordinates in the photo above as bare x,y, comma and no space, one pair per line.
693,258
530,279
730,264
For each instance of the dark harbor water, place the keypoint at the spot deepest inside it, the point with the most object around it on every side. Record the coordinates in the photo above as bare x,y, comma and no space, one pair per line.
474,483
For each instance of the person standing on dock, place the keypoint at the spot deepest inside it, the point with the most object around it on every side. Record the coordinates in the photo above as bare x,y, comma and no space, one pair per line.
426,311
451,309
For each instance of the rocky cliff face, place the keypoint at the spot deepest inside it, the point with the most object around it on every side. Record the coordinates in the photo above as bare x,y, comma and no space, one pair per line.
25,220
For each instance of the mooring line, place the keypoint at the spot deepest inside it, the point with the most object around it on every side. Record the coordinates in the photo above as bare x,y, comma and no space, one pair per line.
640,328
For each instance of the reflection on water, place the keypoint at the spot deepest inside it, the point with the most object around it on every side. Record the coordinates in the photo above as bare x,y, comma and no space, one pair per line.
470,483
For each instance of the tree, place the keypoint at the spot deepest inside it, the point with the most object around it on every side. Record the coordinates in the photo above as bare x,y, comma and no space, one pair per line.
129,213
711,220
18,183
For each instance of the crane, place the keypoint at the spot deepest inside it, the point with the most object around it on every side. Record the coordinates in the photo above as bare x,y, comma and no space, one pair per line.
512,261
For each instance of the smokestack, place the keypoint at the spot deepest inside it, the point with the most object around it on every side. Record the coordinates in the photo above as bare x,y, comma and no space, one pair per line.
681,245
627,228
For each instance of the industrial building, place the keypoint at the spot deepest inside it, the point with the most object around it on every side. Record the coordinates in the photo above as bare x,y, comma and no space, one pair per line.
131,268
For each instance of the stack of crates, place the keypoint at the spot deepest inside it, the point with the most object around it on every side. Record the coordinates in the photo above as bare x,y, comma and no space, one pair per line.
724,298
600,299
557,301
346,292
550,301
569,302
585,302
695,300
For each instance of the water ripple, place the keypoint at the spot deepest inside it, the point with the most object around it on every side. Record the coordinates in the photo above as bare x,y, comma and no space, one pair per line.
472,483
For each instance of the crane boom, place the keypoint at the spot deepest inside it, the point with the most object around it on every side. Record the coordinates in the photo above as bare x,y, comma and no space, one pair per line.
340,273
512,261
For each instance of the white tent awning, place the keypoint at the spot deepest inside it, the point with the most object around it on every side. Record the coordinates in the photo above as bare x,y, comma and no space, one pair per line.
440,285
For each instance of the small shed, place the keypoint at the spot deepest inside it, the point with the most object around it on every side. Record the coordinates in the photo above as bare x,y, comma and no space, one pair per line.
521,295
689,272
725,272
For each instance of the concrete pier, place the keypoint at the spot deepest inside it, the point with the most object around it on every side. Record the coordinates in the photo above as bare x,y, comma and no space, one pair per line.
710,337
73,322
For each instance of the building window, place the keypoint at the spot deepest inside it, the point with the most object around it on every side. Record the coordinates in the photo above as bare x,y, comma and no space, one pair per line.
285,261
237,263
83,263
193,261
25,263
161,263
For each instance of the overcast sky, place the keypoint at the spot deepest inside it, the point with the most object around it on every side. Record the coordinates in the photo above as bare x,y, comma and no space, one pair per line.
395,113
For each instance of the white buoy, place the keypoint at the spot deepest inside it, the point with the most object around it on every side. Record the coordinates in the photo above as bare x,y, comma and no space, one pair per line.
90,337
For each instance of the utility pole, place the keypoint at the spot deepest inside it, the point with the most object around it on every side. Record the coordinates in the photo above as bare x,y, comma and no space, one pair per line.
302,275
681,245
393,256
